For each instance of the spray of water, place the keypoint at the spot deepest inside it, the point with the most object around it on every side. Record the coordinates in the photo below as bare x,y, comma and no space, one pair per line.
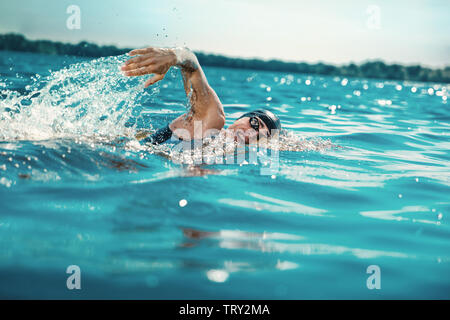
93,100
88,99
216,149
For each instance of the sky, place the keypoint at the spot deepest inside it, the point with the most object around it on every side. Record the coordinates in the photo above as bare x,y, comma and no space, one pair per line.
329,31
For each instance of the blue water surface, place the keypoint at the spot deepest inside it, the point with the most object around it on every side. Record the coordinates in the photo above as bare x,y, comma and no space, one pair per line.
141,226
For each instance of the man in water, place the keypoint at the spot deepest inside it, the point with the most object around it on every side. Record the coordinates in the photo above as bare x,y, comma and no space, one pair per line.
206,115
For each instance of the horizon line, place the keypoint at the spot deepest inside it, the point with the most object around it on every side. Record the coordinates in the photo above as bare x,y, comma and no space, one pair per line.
368,60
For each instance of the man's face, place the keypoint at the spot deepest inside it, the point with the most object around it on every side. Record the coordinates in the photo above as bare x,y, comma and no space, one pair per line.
248,128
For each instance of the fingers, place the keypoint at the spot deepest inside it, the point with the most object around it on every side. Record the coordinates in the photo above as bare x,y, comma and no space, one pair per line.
153,80
142,65
140,51
138,72
137,59
137,63
144,60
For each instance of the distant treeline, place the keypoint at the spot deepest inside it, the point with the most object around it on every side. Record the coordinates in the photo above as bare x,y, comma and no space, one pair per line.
373,69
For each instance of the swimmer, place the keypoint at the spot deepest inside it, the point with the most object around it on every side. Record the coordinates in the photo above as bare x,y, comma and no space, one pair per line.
206,107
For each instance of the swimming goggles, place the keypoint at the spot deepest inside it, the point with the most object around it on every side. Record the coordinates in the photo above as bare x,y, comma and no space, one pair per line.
254,123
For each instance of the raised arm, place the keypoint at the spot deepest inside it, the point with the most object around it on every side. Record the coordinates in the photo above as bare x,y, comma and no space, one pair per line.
205,104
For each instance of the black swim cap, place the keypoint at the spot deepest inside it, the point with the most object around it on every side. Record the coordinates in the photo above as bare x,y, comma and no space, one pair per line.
272,122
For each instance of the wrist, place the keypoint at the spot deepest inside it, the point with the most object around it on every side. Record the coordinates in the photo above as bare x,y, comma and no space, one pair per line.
174,57
185,58
180,55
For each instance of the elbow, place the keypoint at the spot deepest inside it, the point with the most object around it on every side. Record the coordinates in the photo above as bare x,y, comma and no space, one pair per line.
220,122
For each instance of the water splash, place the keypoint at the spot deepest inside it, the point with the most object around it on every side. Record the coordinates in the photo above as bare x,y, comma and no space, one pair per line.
86,99
93,101
223,145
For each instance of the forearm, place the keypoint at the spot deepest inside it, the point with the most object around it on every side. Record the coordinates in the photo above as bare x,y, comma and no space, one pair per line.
205,104
196,86
194,79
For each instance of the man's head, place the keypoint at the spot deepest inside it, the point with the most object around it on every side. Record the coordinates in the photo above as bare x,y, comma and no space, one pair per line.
258,122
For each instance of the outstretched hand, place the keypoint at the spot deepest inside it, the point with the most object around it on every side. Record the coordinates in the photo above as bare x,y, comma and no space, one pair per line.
156,61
